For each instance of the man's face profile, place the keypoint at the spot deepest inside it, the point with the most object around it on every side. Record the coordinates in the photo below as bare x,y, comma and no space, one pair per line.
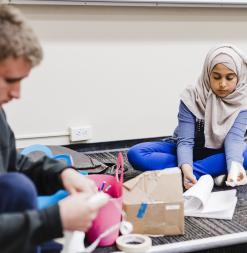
12,71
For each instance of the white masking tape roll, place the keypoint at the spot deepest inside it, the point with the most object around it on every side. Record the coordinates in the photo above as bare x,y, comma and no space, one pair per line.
134,243
126,227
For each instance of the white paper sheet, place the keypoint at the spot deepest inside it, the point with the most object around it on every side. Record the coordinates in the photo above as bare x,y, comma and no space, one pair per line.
200,201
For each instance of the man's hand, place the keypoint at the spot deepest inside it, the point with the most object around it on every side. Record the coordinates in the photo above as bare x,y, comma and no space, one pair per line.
189,177
75,182
77,212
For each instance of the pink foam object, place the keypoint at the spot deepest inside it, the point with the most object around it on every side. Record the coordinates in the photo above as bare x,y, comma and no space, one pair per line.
110,214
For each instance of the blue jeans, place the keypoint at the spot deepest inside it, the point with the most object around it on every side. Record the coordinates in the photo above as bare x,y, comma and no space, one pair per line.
18,193
162,154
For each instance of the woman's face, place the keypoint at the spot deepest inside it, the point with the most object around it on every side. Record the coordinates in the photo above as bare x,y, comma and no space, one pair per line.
223,81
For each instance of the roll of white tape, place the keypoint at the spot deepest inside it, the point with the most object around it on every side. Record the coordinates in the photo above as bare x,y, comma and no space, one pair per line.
134,243
126,227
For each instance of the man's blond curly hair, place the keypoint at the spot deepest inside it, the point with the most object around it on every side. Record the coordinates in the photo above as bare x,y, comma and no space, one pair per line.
17,38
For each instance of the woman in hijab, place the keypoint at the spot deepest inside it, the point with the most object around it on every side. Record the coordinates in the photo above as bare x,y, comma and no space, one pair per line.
212,119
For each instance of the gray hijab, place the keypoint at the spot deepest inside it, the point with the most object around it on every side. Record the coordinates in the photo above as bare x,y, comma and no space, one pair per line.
218,113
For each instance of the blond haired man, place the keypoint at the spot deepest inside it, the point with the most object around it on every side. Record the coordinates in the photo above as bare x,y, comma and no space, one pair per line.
22,226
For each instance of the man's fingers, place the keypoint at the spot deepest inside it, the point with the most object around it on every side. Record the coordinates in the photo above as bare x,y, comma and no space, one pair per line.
72,191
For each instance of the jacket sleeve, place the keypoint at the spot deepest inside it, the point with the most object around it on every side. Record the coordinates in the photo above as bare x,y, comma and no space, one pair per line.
185,135
44,172
20,232
234,143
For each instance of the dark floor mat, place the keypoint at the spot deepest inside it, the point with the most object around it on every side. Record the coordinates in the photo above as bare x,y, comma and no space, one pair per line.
195,228
110,157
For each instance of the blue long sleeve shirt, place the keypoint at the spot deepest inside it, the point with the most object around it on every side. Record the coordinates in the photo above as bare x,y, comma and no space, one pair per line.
190,135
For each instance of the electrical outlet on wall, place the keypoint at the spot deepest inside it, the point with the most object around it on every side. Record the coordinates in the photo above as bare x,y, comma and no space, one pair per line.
80,133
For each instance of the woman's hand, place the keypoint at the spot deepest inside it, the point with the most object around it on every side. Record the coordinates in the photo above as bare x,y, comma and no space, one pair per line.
237,175
189,178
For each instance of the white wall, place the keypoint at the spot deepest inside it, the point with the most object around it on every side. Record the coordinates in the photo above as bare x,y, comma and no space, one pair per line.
118,69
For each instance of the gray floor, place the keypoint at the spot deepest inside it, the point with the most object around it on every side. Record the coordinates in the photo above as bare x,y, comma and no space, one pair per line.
195,228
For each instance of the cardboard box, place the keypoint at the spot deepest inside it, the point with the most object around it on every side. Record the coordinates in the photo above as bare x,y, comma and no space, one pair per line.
153,202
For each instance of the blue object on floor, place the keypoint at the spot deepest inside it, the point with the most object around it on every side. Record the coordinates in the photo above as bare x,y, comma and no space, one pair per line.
49,200
67,158
37,148
83,172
